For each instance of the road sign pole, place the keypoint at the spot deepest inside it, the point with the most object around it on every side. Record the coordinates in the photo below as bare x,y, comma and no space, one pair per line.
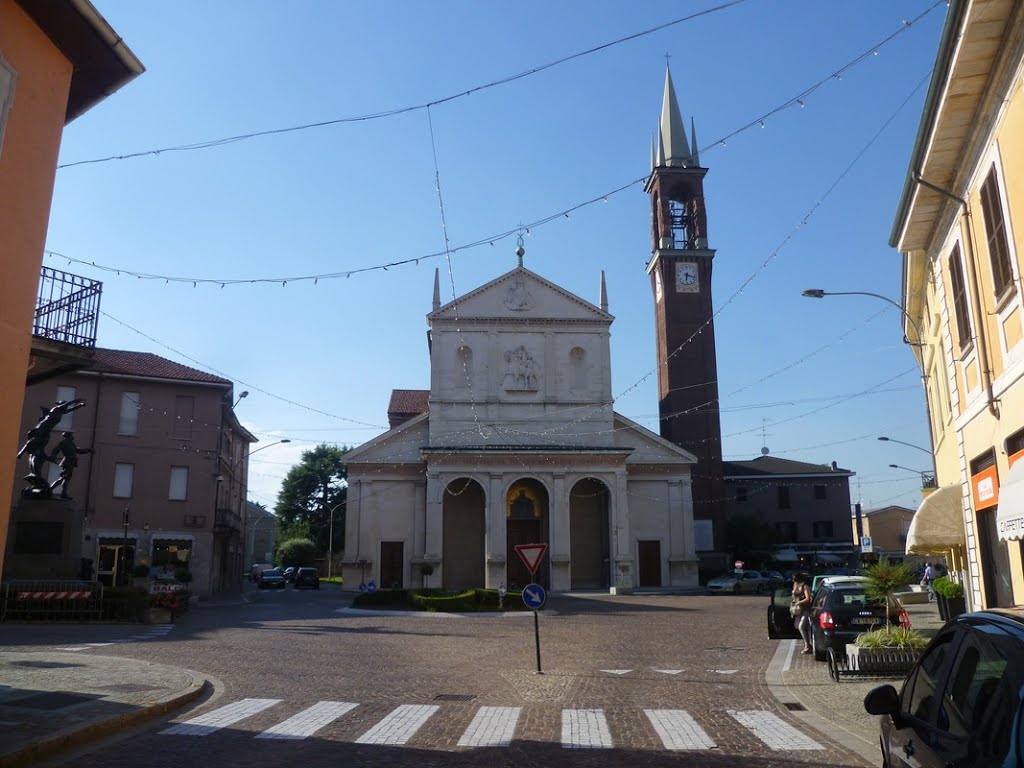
536,637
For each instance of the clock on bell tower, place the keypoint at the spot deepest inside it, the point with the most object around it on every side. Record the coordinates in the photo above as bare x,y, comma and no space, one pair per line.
680,270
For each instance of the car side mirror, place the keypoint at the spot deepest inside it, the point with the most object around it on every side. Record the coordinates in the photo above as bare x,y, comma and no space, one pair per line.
882,700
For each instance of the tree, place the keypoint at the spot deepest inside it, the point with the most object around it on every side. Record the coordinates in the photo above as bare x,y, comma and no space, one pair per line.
297,552
885,579
751,538
313,492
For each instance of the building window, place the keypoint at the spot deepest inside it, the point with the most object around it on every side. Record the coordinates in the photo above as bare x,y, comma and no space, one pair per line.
995,232
464,373
184,407
577,363
179,484
129,421
7,80
958,287
170,556
124,479
787,531
741,494
820,492
783,497
65,394
823,529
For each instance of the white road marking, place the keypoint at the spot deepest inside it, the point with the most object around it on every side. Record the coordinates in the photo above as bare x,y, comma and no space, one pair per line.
308,721
399,726
678,730
617,671
724,671
585,729
789,656
670,671
491,727
219,718
775,732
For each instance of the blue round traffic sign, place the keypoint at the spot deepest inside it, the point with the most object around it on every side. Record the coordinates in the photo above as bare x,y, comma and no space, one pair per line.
534,596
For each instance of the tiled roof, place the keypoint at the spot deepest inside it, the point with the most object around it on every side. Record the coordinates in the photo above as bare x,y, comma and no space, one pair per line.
771,465
406,403
145,364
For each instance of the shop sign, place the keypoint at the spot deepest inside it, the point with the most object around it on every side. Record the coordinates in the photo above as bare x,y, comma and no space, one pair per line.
158,587
985,487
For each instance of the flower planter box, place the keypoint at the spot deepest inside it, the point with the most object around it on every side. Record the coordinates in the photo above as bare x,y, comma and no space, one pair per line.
884,662
159,616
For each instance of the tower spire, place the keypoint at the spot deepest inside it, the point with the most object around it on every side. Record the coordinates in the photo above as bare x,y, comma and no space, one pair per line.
693,143
603,295
437,289
672,134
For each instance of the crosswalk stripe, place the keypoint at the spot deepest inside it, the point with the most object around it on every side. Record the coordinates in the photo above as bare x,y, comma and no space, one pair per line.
399,726
585,729
308,721
491,727
678,730
219,718
775,732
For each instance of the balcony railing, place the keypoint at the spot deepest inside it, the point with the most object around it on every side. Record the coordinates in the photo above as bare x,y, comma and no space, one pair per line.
67,308
227,520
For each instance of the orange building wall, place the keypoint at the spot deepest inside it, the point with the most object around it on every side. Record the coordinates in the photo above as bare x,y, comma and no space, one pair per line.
28,162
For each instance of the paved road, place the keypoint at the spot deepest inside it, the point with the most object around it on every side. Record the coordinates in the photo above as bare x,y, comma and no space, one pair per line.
637,681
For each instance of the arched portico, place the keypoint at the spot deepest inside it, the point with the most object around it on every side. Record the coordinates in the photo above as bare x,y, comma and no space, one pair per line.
464,514
527,516
589,535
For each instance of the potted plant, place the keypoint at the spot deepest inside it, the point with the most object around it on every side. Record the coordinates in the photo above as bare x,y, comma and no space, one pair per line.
951,599
162,607
426,569
891,650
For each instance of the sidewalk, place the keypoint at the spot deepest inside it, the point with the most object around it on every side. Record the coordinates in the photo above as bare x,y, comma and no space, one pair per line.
54,701
837,709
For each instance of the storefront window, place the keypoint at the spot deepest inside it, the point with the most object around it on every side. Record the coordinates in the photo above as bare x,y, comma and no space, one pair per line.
169,557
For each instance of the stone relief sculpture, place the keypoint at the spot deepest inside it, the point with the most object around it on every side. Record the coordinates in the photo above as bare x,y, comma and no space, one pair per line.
35,446
521,372
518,297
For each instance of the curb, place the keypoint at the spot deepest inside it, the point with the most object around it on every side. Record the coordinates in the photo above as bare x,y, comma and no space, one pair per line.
867,750
75,737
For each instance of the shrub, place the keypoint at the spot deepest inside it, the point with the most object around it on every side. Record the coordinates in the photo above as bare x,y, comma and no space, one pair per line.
885,579
124,603
184,575
297,552
383,598
172,601
140,572
903,639
450,602
949,589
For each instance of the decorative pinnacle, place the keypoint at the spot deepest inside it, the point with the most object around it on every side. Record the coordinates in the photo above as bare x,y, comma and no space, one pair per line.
520,250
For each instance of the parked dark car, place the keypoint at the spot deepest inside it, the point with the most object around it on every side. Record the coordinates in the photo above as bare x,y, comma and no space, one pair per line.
307,577
840,611
289,573
272,578
963,702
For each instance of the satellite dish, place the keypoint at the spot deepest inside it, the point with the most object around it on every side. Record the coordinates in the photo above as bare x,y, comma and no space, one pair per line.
764,451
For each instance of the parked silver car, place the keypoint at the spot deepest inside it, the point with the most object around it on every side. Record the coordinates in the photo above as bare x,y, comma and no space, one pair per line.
739,581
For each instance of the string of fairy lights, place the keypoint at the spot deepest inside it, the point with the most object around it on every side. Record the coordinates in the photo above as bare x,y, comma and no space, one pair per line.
449,251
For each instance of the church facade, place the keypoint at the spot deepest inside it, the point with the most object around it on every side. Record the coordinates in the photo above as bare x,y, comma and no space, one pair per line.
519,444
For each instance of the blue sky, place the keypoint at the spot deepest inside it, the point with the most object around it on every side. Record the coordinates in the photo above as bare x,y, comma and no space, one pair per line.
823,378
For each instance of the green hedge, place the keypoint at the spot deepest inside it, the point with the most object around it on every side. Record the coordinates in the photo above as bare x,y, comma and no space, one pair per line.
440,600
947,588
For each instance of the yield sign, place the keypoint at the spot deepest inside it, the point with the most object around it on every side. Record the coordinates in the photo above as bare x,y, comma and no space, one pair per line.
531,555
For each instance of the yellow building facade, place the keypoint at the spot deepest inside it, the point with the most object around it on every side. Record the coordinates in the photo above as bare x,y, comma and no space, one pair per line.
960,230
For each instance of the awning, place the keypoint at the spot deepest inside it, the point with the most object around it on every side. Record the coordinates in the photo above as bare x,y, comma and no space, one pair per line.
938,524
1010,512
786,556
826,557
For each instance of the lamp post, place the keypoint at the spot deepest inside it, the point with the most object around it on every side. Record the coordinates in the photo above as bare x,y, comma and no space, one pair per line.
330,538
123,571
820,293
927,478
244,394
909,445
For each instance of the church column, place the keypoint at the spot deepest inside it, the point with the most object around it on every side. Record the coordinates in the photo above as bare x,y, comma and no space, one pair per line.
559,545
625,570
419,525
496,536
350,571
682,562
433,545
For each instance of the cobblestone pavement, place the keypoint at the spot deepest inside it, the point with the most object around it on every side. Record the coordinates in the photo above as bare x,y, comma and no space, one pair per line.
628,680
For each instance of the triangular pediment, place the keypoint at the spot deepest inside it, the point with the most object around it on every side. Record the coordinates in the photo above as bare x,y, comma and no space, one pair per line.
519,295
648,447
400,445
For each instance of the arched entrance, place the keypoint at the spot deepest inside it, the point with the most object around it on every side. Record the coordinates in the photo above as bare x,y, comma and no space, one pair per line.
463,508
526,510
589,536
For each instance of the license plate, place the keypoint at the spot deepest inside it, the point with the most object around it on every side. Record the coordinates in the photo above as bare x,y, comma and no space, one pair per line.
865,620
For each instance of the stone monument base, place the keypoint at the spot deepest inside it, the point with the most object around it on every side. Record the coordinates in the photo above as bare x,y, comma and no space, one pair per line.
44,540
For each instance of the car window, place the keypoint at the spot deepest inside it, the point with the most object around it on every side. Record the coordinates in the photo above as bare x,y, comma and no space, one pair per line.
819,598
919,692
982,692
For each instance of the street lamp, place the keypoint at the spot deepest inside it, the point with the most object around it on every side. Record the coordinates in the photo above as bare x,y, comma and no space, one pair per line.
927,478
820,293
234,464
910,445
241,396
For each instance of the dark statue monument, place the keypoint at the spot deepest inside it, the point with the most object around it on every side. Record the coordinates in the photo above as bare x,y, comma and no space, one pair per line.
35,446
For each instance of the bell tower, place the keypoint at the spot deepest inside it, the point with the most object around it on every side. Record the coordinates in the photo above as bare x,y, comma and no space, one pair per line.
680,270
